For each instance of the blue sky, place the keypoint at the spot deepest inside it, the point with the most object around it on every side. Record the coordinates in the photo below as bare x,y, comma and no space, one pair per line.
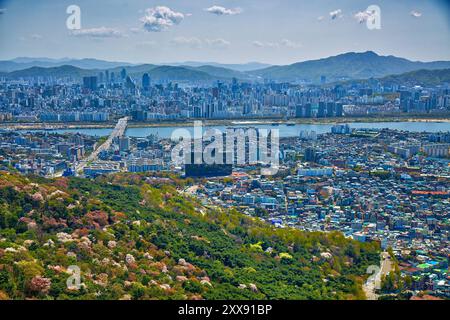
228,31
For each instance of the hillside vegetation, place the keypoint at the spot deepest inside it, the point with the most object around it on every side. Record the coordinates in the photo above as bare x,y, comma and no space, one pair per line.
135,237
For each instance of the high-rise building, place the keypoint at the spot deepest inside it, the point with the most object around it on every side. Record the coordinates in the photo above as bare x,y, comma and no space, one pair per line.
123,74
145,82
90,83
322,112
308,110
339,110
298,111
106,76
100,77
310,155
129,83
124,143
330,109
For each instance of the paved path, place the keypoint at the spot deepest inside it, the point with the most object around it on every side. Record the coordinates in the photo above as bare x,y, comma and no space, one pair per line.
375,282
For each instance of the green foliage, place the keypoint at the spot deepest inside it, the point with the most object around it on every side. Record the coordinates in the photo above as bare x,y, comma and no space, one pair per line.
134,240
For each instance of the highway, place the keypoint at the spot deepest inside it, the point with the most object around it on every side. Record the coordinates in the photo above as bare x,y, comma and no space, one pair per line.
118,131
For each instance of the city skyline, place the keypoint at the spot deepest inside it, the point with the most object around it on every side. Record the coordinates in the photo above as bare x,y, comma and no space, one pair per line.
225,32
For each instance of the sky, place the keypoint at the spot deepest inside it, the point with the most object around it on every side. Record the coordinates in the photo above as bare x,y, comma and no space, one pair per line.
227,31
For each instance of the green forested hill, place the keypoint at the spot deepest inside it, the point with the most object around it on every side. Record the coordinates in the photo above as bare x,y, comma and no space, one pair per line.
134,239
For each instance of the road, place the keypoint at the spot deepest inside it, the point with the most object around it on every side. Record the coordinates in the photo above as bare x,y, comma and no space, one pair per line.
118,131
374,283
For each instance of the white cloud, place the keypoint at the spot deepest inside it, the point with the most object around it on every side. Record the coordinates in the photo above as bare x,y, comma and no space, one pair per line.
160,18
362,16
217,43
196,43
221,11
416,14
290,44
336,14
101,32
320,18
260,44
272,45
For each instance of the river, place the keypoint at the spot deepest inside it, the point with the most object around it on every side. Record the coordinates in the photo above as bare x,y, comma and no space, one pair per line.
284,130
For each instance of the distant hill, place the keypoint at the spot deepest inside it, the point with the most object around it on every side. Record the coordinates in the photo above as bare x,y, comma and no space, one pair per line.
244,67
21,63
420,77
221,72
25,63
346,66
65,71
157,73
178,73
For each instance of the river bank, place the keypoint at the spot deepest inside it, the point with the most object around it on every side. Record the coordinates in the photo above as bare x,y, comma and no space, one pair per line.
227,122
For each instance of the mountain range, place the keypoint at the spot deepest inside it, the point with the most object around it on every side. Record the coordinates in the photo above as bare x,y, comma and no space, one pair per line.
347,66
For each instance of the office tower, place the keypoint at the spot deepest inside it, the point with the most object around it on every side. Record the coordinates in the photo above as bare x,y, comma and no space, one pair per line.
330,109
339,110
90,83
146,82
124,143
322,110
198,112
129,83
310,155
308,110
106,76
298,111
123,74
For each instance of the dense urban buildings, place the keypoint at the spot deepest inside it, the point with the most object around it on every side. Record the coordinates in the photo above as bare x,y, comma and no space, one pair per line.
103,98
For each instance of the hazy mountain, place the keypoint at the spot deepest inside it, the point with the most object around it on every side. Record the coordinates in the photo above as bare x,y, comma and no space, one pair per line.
221,72
244,67
96,64
9,66
40,59
57,72
178,73
420,77
25,63
346,66
171,73
22,63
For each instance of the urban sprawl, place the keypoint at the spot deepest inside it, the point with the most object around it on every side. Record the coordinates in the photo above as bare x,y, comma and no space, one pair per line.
380,185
